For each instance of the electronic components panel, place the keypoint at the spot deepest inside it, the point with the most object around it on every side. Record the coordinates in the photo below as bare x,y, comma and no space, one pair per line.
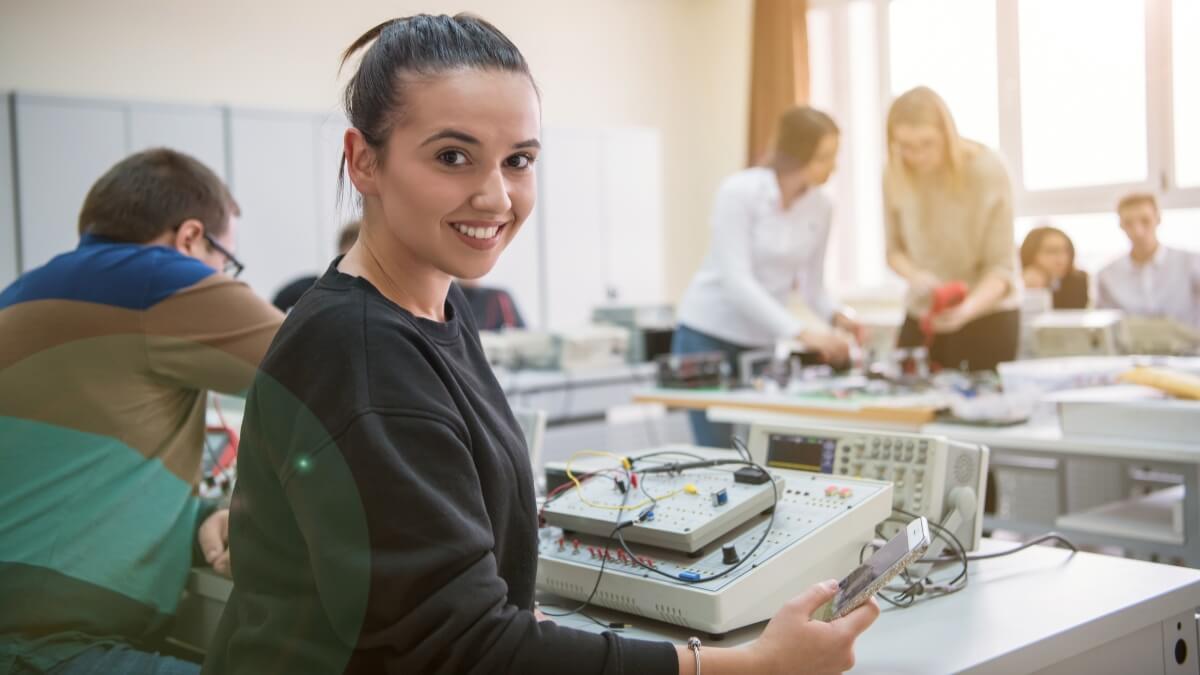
820,525
684,511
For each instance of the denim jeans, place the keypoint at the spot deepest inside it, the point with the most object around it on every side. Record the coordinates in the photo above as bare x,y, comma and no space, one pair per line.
690,341
108,658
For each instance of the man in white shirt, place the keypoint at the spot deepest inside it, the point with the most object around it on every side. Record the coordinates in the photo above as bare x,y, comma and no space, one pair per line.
1153,280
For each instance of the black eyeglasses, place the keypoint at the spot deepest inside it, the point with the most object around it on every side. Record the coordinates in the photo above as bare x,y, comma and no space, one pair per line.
233,266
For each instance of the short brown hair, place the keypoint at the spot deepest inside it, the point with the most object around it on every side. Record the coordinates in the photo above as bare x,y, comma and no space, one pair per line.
152,192
1136,198
799,133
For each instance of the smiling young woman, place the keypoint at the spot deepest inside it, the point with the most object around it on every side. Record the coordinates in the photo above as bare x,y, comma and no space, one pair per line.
384,518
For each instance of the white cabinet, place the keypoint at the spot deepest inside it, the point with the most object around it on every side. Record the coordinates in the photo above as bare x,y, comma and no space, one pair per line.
194,130
283,172
520,271
595,236
574,214
332,213
600,208
632,188
63,146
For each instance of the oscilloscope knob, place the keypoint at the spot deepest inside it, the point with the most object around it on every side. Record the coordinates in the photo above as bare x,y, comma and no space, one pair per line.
729,554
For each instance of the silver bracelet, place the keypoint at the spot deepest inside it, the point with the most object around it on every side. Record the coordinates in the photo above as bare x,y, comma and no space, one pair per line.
694,648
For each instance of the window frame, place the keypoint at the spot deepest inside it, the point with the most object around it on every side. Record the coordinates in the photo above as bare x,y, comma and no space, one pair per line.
1160,129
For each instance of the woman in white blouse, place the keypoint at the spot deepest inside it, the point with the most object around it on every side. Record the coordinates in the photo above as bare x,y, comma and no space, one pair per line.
770,230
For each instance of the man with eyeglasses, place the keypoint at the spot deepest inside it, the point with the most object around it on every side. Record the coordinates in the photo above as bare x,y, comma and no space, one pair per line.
107,353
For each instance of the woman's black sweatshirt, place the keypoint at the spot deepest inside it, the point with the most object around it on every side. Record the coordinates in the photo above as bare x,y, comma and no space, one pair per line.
384,517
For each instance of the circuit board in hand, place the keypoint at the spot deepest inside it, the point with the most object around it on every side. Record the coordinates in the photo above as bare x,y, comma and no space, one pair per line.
690,510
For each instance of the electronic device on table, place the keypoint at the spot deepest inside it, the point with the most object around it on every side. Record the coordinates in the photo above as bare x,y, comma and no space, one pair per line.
584,347
517,349
651,328
702,370
1159,336
902,550
712,548
1077,332
592,346
932,476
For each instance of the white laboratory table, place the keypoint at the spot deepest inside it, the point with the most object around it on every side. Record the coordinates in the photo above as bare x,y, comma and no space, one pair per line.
1165,526
1040,610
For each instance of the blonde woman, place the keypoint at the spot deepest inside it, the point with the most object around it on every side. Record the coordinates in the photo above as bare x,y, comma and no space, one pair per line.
948,218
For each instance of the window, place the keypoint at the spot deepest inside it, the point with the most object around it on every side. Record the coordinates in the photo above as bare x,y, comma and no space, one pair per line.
950,47
1185,20
1084,100
867,144
1083,92
1098,237
820,59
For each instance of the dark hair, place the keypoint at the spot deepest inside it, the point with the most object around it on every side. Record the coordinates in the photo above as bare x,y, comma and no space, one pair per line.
1033,244
152,192
799,132
416,45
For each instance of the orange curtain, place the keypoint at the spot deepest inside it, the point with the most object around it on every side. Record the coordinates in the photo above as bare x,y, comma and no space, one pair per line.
778,70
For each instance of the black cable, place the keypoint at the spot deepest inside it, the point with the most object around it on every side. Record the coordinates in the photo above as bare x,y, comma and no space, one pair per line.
1049,536
740,446
680,467
900,602
766,532
603,562
957,545
943,532
616,533
917,587
660,453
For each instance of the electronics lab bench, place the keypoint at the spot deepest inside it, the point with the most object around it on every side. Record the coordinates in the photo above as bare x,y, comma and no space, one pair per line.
1165,524
1040,610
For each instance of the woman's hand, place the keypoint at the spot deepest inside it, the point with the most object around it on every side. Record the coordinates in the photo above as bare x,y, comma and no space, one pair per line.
832,349
952,320
214,542
923,283
794,642
844,322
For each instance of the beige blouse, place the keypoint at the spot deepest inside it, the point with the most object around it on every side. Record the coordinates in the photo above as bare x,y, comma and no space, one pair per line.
962,233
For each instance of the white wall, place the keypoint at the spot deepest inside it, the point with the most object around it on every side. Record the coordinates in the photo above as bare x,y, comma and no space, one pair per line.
680,66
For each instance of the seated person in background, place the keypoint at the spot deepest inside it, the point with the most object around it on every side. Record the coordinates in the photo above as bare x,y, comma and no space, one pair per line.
1048,261
493,308
289,295
107,353
1153,280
